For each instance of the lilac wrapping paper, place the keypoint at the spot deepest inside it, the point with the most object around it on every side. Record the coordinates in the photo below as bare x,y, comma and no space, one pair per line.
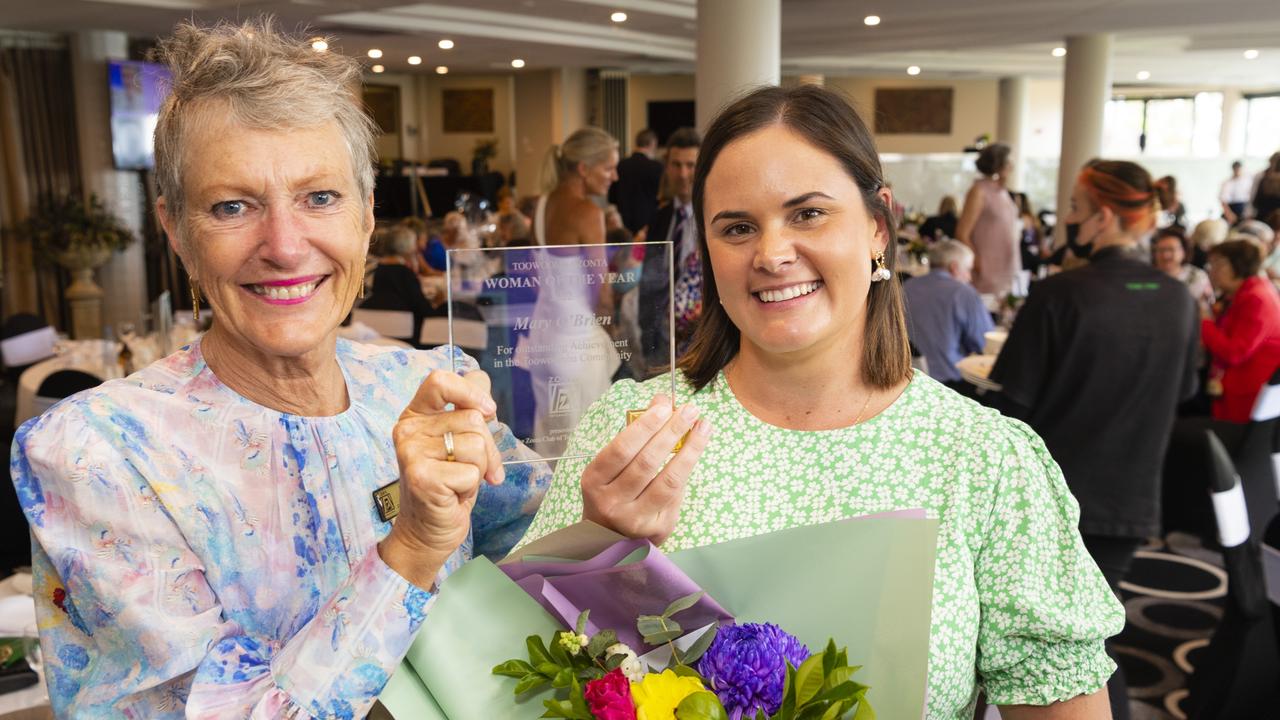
616,594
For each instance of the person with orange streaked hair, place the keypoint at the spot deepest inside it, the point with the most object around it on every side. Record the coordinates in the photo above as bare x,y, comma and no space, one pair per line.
1097,362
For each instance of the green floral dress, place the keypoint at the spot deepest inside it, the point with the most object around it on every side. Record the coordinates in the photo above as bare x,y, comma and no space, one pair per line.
1018,606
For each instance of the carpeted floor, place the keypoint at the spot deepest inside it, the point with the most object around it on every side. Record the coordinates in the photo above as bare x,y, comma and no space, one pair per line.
1174,598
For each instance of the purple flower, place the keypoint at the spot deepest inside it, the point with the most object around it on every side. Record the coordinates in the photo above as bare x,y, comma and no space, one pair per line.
746,667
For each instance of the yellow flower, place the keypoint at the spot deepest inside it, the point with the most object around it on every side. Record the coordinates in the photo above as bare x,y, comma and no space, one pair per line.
657,695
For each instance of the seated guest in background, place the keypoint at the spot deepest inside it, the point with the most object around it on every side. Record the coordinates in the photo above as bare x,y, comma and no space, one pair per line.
673,222
1266,189
946,319
1169,255
1234,195
1204,236
206,539
1097,362
800,360
942,225
636,191
395,285
514,230
1244,338
1172,211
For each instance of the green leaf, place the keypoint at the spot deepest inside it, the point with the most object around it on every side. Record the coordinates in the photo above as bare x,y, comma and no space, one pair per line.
839,675
682,604
560,656
864,711
562,678
548,669
808,680
558,709
532,681
701,706
601,642
699,647
686,671
537,650
787,711
612,662
663,637
653,625
840,693
513,668
579,702
582,622
832,713
829,658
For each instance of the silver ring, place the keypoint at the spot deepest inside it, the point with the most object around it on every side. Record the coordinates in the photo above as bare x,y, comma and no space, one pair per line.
448,445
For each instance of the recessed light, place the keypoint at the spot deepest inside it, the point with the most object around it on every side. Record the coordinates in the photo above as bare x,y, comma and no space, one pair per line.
442,70
375,53
1143,75
1059,52
1250,54
377,68
913,70
319,45
415,60
618,17
517,63
871,20
445,44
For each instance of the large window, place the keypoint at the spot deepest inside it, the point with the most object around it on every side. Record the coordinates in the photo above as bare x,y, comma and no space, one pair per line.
1163,127
1262,133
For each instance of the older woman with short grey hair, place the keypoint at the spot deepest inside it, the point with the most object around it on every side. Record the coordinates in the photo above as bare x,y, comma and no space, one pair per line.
212,535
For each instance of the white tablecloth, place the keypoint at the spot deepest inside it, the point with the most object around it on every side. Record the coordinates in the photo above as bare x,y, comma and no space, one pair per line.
32,702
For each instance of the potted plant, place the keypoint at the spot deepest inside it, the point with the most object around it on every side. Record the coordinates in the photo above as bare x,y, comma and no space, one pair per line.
80,237
485,151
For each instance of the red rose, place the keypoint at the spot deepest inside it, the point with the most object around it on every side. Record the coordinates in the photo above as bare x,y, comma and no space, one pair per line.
609,698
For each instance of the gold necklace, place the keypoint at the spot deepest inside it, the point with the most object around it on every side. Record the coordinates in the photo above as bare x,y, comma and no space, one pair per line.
865,403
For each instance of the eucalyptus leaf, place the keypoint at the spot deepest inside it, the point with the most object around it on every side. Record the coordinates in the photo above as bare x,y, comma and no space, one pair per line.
663,637
699,647
513,668
582,622
681,604
602,641
652,624
701,706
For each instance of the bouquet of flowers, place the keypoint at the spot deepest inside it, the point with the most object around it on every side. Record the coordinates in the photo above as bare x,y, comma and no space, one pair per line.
749,670
586,624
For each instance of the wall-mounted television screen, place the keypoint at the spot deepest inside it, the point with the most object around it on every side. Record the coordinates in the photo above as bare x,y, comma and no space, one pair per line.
137,89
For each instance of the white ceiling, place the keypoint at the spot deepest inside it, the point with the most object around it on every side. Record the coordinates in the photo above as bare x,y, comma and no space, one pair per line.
1180,42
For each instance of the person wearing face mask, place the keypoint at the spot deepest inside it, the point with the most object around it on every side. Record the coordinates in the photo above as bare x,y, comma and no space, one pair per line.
1097,362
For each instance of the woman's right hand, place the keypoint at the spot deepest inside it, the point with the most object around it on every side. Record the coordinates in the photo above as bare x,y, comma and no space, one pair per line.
438,494
633,485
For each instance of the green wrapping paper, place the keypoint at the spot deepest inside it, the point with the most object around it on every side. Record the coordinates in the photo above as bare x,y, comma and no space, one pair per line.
867,583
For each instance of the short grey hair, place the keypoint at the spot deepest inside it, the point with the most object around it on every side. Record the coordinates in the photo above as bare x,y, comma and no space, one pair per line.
945,252
265,80
397,240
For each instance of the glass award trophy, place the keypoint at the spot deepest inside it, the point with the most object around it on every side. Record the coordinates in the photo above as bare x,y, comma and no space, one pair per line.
555,326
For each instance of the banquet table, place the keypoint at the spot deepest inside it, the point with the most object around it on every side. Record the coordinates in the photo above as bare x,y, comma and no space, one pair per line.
31,703
90,356
975,369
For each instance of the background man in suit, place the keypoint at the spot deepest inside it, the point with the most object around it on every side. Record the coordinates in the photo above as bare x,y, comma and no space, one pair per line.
636,191
673,221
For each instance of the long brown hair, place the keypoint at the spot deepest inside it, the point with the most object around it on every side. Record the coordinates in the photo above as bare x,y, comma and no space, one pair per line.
826,120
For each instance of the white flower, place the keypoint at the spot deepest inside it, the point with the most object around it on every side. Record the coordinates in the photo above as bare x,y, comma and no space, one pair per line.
619,649
582,640
633,668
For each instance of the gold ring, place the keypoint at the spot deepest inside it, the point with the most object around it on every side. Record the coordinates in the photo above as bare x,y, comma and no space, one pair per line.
448,445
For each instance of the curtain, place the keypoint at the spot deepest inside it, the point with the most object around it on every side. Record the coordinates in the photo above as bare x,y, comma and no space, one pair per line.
39,159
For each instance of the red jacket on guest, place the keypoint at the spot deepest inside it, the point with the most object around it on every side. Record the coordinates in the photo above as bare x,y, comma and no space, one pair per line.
1245,343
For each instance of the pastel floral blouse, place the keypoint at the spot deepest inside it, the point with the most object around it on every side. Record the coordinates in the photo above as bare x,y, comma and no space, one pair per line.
198,555
1019,607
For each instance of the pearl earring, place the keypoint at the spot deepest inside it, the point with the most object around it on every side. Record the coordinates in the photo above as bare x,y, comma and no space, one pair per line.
881,273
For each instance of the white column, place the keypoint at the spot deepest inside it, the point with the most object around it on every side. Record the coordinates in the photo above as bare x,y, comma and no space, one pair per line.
739,47
124,277
1085,92
1011,123
1231,140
